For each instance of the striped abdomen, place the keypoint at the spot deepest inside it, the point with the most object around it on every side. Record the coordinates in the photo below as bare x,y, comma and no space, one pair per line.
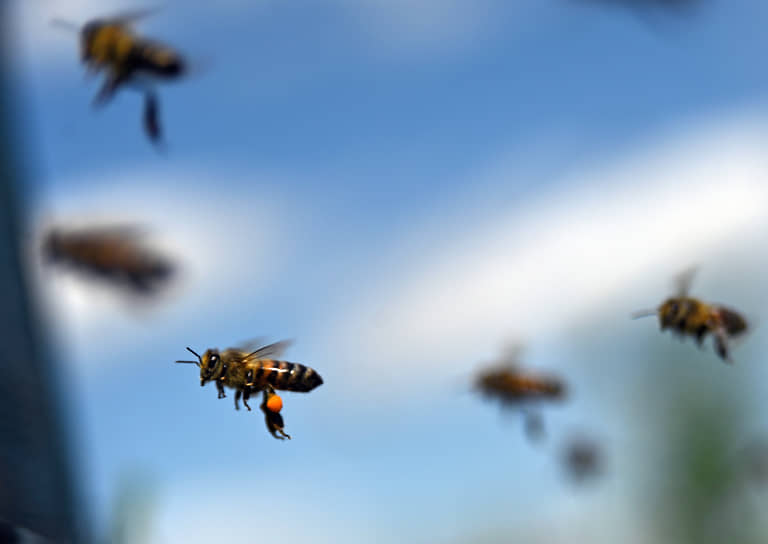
281,375
732,321
513,386
525,386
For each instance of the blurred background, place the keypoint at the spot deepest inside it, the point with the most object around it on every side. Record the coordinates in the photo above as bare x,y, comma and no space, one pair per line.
404,188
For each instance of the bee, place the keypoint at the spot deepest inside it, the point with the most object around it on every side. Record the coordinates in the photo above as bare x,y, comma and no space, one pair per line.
110,45
582,459
113,253
250,372
513,386
686,315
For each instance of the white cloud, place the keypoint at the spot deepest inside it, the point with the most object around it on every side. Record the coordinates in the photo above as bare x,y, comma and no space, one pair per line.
541,264
268,512
405,25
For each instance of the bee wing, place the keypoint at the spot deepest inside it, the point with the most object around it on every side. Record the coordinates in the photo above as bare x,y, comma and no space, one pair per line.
130,17
683,281
511,354
275,349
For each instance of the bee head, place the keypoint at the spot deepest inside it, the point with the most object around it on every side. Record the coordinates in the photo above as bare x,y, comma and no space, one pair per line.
87,34
210,365
668,312
52,245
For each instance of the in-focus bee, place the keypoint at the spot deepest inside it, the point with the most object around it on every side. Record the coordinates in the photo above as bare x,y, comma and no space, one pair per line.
113,253
515,387
110,44
249,372
686,315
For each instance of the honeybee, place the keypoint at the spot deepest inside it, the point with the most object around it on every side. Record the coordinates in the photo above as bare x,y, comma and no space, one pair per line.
110,44
513,386
582,459
686,315
113,253
250,372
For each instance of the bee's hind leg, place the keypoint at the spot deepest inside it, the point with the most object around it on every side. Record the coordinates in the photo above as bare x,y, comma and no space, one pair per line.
701,332
238,394
534,425
721,344
108,89
274,420
246,396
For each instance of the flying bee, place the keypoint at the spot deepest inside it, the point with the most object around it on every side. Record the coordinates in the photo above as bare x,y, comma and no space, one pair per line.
686,315
113,253
251,372
513,386
582,459
110,45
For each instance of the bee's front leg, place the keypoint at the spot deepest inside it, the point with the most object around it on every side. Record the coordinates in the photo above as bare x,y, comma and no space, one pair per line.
220,388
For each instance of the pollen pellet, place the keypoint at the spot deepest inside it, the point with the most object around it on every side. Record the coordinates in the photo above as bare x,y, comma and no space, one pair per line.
275,403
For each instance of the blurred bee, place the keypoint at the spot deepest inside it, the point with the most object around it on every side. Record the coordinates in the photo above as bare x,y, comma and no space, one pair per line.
113,253
686,315
250,372
110,45
513,386
582,459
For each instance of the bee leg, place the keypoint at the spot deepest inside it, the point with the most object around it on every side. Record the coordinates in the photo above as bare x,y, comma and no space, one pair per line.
701,332
273,420
151,117
534,425
721,344
238,394
220,388
246,396
107,91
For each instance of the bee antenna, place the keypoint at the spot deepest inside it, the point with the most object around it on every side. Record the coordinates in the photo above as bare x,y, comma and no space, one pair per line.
193,352
67,25
643,313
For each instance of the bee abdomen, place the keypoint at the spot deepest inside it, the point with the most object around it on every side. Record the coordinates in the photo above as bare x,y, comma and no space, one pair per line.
287,376
732,321
159,60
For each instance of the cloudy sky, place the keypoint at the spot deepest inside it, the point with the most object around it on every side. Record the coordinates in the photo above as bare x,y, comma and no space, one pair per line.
404,188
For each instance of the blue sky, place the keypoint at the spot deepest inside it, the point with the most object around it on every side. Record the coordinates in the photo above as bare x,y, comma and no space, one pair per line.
403,187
